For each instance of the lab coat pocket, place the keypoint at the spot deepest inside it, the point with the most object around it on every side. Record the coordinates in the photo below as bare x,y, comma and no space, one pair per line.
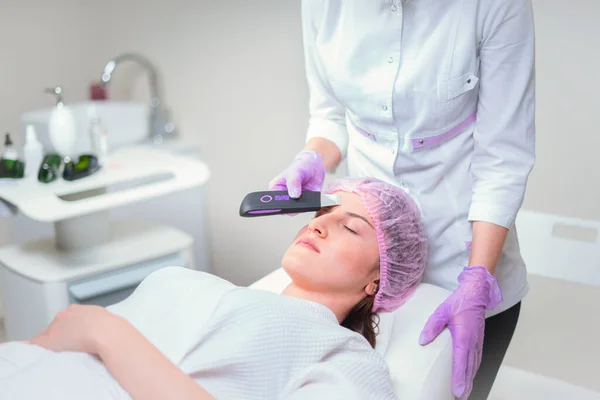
462,84
461,95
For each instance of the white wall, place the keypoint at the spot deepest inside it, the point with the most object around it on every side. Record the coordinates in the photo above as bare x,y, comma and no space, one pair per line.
565,178
45,44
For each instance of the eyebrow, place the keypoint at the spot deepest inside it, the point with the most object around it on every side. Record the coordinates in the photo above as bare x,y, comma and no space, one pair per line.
351,214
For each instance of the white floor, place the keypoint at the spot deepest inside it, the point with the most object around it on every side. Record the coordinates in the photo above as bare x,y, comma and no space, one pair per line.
558,333
516,384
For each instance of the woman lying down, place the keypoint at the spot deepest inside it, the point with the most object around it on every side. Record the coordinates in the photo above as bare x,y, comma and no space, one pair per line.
187,334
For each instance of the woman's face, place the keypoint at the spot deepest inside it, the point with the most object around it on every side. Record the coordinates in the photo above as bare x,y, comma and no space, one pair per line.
337,252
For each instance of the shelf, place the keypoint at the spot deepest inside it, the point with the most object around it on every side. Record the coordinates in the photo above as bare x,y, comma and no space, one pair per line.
132,174
130,242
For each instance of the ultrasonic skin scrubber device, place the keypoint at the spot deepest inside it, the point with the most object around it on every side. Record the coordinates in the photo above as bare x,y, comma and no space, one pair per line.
266,203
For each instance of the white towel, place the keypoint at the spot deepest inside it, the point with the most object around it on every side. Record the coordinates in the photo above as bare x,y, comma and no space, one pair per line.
237,343
240,343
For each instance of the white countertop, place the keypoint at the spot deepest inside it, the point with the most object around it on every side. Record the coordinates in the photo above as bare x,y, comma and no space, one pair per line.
125,167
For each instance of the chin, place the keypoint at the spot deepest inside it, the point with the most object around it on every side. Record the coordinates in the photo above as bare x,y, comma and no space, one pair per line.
297,264
292,262
304,269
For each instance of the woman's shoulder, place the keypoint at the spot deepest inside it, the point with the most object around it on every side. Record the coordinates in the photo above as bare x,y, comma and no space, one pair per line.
181,274
304,320
170,286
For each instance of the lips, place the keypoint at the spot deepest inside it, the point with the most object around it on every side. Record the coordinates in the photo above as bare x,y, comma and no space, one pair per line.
307,242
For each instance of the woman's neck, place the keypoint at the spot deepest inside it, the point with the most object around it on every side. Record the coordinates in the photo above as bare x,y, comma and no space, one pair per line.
340,305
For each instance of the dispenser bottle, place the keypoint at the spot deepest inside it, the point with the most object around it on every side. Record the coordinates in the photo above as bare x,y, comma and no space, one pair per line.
33,153
62,127
10,154
98,136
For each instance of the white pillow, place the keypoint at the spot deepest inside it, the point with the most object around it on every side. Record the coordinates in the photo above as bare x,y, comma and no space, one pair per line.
417,372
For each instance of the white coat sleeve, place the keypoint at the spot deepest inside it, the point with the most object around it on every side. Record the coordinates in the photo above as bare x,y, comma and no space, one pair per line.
504,132
327,117
345,376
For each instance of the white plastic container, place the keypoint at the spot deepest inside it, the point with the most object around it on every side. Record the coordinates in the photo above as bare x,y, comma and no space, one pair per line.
33,153
62,131
98,136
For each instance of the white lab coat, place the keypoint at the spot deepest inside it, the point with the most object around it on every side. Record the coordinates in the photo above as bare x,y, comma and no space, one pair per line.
438,97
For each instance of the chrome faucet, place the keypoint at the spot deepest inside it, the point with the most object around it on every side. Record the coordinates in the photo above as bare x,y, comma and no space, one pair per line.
160,125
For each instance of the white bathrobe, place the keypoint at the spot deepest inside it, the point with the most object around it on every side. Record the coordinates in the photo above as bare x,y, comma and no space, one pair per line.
237,343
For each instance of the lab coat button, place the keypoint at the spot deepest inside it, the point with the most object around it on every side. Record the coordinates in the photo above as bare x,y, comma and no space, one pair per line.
394,8
391,60
384,107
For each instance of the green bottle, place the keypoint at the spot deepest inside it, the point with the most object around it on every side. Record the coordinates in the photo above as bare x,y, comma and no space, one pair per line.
10,165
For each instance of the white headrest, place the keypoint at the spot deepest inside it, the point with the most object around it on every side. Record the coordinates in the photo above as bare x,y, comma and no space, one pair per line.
417,372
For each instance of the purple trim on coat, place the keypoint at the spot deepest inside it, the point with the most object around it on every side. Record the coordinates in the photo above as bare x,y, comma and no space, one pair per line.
435,140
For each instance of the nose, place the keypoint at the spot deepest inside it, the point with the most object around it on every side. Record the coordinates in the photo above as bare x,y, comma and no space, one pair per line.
317,227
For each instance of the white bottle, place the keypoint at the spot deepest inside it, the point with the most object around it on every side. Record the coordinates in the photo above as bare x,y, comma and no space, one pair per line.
98,136
62,131
33,153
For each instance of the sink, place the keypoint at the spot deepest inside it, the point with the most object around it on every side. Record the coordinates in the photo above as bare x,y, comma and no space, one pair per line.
126,123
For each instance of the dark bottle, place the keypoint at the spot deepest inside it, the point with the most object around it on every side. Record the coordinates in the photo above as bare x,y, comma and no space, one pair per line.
10,165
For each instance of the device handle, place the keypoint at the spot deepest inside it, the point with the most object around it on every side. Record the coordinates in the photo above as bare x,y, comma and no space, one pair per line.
276,202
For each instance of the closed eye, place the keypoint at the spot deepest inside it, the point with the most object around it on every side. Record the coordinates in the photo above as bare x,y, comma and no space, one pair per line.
350,230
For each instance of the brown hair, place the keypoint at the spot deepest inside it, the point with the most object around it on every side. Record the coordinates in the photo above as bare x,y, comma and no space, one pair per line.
363,320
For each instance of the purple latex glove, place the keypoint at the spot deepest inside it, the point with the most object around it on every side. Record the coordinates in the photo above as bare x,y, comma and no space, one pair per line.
307,172
464,314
